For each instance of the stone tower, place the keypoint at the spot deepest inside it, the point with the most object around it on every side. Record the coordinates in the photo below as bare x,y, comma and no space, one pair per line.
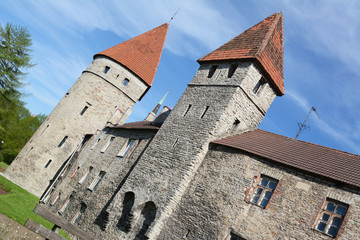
105,92
229,94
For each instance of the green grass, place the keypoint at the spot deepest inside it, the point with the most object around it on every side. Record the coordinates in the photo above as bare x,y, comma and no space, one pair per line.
4,165
18,204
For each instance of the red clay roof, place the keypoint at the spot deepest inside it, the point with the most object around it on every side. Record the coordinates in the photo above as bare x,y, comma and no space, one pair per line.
263,43
324,161
140,54
137,125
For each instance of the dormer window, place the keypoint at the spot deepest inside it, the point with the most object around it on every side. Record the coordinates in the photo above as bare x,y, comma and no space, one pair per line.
107,68
126,82
232,70
212,70
260,84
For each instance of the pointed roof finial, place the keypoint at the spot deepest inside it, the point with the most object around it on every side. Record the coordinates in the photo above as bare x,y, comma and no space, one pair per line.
140,54
153,113
174,15
263,43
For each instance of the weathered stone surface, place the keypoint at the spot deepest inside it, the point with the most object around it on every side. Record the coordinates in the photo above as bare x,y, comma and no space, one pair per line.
102,94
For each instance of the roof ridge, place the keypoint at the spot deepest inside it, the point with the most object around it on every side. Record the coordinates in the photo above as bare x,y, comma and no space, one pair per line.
269,33
297,140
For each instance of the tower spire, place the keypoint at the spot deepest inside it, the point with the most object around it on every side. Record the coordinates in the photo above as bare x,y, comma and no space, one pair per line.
153,113
140,54
263,44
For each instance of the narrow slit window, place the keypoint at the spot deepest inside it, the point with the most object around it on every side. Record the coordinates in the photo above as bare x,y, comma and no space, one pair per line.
331,216
63,141
187,110
65,205
176,141
260,84
107,144
48,163
126,149
232,70
264,191
126,82
206,109
234,236
97,181
107,68
44,129
84,110
29,150
212,70
85,175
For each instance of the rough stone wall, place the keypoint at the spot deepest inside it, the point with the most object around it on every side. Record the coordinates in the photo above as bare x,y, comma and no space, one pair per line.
214,204
171,160
94,219
102,94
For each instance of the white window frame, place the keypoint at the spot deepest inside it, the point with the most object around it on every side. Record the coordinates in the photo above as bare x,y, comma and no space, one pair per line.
127,148
261,191
85,175
111,139
92,187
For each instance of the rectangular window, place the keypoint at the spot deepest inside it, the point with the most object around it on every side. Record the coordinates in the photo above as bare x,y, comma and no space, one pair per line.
107,68
79,213
84,110
63,141
234,236
126,149
212,70
263,191
126,82
93,146
232,70
107,144
86,174
74,172
54,200
97,181
259,86
331,216
65,205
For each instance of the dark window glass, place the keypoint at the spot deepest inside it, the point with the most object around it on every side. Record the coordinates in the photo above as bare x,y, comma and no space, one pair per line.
84,110
232,70
126,82
212,70
107,68
264,191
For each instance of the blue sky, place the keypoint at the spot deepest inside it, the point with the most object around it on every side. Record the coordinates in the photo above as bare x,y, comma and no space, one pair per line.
321,59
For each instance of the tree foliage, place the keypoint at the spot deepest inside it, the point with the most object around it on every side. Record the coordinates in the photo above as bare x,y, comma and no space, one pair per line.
15,42
17,125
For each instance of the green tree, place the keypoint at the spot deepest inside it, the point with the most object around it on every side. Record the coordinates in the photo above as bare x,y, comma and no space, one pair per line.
15,42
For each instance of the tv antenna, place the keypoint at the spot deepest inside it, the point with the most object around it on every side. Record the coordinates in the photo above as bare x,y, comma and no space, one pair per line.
174,15
303,126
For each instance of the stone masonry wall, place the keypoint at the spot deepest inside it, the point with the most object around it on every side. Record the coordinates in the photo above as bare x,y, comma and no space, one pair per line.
96,215
171,161
214,204
102,94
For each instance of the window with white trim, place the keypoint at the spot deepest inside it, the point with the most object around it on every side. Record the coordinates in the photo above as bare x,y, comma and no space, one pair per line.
125,150
85,175
65,205
96,181
263,191
107,144
331,216
79,213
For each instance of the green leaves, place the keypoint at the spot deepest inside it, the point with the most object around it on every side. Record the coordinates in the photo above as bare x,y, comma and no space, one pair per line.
14,56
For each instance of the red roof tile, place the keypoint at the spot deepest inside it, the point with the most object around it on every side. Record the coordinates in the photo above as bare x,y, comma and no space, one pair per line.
263,43
140,54
324,161
137,125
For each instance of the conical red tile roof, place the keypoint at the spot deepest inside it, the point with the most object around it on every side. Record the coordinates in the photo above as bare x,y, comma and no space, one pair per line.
140,54
264,43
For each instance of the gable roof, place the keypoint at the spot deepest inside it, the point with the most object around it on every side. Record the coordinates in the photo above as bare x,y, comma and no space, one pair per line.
263,43
317,159
140,54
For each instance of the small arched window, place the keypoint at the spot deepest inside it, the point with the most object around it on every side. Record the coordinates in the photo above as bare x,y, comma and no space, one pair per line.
126,82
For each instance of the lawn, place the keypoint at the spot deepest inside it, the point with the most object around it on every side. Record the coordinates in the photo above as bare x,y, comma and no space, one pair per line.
3,165
18,204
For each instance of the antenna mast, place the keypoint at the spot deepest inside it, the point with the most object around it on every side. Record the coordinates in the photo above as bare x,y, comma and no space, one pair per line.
174,15
303,126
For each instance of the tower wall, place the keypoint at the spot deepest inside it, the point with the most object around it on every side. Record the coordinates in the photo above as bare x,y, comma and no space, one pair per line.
85,108
210,108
